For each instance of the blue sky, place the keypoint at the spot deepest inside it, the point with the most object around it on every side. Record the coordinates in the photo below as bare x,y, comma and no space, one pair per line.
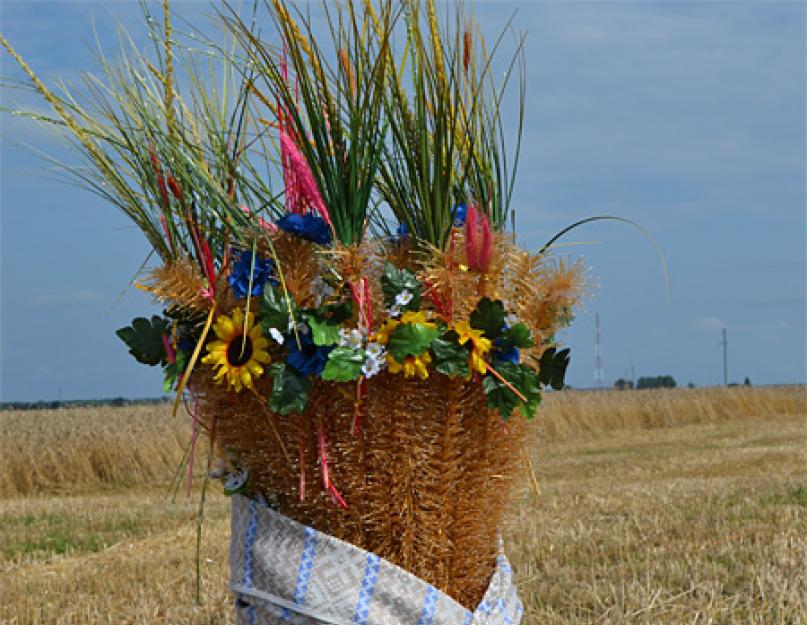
688,118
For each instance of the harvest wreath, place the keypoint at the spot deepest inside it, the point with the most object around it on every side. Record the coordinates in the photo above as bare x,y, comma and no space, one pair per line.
369,382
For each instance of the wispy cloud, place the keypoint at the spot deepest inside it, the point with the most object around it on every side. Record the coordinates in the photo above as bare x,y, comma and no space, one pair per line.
66,297
710,323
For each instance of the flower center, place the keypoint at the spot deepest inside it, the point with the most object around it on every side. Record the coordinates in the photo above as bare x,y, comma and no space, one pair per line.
239,351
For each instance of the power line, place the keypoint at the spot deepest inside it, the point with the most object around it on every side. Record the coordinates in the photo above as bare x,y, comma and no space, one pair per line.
599,372
724,343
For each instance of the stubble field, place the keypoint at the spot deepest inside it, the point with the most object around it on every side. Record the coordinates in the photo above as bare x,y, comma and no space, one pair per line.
685,506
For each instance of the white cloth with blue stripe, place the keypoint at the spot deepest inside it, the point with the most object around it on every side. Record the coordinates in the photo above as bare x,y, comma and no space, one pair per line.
284,572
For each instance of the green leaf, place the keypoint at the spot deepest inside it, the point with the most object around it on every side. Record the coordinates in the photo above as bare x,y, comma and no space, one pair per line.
504,399
519,335
488,317
325,320
323,331
337,313
274,311
145,339
552,369
289,390
450,358
411,339
344,364
394,281
173,370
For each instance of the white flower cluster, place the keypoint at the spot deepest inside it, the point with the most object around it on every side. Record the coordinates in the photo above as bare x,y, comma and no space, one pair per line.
277,336
376,359
354,338
374,352
401,300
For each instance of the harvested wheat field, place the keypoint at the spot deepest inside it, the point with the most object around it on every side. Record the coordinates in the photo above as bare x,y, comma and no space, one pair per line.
685,506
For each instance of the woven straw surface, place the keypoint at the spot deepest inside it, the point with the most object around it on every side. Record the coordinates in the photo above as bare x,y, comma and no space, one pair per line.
426,480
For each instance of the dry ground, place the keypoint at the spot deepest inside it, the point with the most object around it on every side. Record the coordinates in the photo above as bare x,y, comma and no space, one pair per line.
695,518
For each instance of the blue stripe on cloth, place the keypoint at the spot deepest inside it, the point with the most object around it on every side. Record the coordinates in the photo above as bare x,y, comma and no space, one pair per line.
251,615
367,589
304,571
468,617
252,529
503,565
429,606
485,607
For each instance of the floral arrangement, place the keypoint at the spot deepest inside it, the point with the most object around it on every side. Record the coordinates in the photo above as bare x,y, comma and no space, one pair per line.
372,320
341,331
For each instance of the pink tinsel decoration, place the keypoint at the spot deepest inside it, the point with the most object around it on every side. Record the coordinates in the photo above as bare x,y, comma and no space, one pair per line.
303,185
478,240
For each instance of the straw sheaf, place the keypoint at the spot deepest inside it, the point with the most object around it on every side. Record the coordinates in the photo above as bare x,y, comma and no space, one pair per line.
300,265
178,284
427,479
526,283
553,288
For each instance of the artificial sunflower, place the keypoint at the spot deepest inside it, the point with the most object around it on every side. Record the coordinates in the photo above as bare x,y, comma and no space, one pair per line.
239,351
480,345
412,365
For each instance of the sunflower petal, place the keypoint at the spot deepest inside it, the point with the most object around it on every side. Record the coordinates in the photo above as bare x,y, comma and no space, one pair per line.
260,355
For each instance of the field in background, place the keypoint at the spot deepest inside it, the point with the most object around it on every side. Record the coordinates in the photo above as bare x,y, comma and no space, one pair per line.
684,506
73,450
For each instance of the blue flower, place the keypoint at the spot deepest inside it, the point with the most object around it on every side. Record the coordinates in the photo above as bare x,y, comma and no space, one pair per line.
307,358
240,274
502,353
510,354
307,226
459,215
400,236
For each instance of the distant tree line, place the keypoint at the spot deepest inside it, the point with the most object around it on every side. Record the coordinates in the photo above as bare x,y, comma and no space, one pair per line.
80,403
659,381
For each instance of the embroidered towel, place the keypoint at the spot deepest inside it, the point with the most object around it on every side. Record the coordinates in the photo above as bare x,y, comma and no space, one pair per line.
284,572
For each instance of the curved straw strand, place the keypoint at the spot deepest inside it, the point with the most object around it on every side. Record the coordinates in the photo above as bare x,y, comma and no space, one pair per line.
644,232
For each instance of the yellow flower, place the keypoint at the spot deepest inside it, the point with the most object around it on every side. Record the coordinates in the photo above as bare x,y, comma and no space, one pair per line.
480,345
416,317
239,352
412,365
382,336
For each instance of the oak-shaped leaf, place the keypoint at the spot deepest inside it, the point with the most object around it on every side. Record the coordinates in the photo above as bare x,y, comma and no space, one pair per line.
144,338
552,367
344,364
500,396
488,317
450,358
411,339
395,281
289,390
